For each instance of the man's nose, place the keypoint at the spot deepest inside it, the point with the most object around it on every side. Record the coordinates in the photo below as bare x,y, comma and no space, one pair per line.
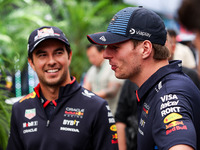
51,60
106,54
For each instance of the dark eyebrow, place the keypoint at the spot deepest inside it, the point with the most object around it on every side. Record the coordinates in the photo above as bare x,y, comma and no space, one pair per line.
39,51
58,49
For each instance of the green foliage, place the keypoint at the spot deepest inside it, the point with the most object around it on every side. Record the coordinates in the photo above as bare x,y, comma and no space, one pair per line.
4,122
5,110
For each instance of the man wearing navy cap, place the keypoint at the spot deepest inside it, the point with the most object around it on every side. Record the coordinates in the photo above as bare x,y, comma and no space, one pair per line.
168,101
59,114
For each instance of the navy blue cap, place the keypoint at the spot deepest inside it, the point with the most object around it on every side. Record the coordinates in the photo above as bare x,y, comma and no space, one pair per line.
132,23
43,33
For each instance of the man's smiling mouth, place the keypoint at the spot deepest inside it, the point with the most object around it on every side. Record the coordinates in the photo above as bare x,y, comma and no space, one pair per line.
52,70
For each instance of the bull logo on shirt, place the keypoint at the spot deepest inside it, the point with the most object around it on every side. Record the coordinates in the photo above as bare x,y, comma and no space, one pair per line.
31,95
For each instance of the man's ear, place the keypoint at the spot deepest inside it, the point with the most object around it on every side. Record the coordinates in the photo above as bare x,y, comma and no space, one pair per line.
30,61
147,49
70,57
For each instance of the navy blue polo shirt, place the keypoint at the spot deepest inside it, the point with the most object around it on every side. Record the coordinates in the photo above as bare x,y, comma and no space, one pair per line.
168,109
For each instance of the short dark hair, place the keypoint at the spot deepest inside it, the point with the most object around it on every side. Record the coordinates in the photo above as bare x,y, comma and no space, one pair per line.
99,47
171,32
189,14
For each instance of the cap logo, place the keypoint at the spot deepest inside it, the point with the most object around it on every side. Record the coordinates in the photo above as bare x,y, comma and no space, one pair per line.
102,38
113,19
132,31
45,32
141,33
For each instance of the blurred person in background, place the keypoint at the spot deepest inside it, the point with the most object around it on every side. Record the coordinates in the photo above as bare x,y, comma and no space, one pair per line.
126,117
100,79
182,52
192,73
189,14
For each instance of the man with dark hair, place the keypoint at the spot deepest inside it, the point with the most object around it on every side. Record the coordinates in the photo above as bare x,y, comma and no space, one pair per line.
182,52
189,14
100,79
192,73
59,114
168,100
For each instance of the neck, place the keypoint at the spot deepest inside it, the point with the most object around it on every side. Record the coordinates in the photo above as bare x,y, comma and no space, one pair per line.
50,93
147,70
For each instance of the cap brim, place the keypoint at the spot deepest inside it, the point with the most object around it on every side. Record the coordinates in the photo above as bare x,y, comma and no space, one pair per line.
106,38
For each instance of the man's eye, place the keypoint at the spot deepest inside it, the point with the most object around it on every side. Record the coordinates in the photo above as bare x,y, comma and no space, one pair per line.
42,55
114,47
59,52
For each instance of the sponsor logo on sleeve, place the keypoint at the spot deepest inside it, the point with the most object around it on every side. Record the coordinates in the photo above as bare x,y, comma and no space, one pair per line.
169,97
114,139
169,104
172,117
110,115
108,107
176,128
113,128
174,123
170,110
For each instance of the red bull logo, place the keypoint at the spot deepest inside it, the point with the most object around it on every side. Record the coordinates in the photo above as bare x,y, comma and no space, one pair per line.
74,113
31,95
114,141
174,123
114,136
176,128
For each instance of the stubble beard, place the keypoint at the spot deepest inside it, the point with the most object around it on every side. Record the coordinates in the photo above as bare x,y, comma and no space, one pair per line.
52,83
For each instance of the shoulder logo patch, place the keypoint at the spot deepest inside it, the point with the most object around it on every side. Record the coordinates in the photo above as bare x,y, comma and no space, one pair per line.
88,94
31,95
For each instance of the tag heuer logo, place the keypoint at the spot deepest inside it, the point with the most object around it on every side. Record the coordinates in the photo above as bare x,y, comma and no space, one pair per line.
30,113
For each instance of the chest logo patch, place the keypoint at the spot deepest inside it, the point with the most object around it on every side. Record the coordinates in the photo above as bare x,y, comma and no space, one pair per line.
30,113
